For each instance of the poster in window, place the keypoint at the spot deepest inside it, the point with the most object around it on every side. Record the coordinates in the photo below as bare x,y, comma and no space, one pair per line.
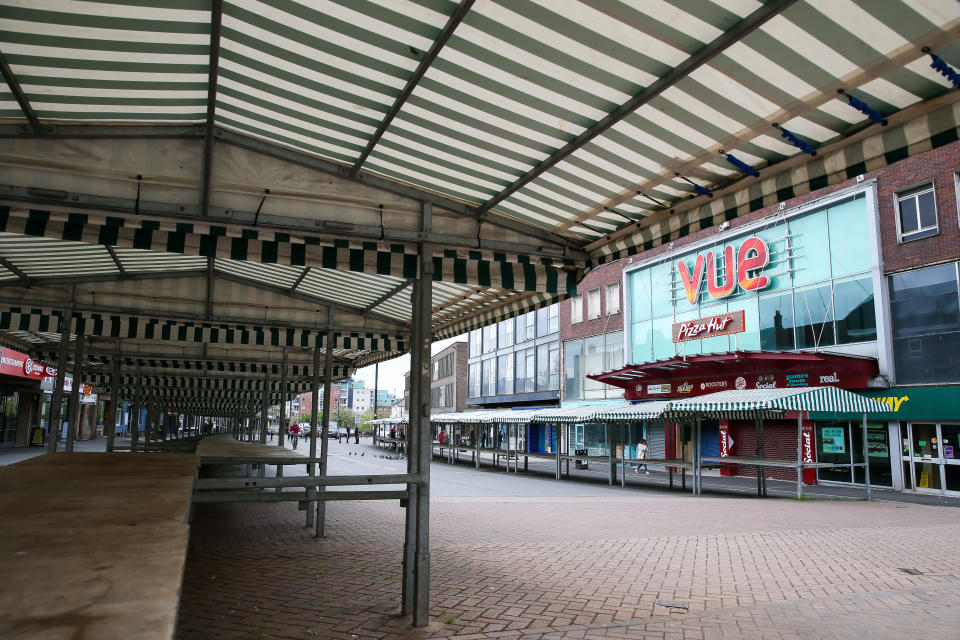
833,440
877,446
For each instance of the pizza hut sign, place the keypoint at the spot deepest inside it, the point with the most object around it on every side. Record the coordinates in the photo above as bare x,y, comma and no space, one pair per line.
719,325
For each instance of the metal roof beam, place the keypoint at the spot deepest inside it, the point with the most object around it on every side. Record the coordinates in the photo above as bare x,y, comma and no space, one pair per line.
216,18
116,260
9,266
395,325
115,277
389,294
21,97
303,274
414,80
728,38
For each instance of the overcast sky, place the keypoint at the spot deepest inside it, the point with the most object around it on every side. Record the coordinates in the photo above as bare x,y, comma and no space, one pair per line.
391,371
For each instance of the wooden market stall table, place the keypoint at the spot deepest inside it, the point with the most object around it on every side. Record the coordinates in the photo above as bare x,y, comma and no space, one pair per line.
224,449
94,544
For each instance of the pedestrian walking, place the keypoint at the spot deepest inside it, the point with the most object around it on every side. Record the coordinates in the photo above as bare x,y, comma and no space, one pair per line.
356,435
642,455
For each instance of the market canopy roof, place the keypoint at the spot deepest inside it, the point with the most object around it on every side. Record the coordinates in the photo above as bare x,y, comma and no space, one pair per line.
320,153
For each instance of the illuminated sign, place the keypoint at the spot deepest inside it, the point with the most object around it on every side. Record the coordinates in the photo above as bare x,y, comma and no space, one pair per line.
741,269
719,325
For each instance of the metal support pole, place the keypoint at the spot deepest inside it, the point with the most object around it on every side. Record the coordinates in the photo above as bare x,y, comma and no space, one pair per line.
282,431
623,455
325,425
697,468
376,389
110,419
314,423
763,453
799,454
265,409
135,413
611,469
74,415
57,400
866,459
413,451
556,437
756,425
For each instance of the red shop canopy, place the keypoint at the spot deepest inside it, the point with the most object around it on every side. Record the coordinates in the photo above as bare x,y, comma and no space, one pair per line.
697,375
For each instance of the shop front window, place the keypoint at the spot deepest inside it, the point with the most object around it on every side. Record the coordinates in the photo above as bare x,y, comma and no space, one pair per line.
853,302
814,311
833,445
776,322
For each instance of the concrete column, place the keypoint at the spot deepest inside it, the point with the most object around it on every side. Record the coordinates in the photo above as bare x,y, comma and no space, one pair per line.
264,411
57,400
283,410
74,414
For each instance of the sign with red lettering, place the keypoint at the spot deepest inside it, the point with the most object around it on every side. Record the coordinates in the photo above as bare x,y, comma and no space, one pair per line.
726,272
14,363
720,325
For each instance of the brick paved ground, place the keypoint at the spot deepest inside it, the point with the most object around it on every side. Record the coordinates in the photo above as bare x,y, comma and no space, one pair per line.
580,566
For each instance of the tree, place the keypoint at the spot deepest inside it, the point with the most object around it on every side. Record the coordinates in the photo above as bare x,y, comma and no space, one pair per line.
305,417
346,418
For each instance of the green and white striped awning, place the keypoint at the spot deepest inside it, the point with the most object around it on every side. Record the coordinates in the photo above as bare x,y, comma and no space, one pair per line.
640,411
566,414
758,403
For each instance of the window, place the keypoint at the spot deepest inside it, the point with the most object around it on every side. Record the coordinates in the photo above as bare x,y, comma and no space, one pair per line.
525,327
593,304
554,321
543,367
543,322
489,376
555,365
613,298
814,312
524,371
474,380
925,319
917,213
490,338
572,370
853,306
776,322
443,368
505,374
505,333
476,342
576,309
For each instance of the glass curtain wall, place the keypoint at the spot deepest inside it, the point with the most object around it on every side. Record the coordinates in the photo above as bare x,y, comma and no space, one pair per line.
820,292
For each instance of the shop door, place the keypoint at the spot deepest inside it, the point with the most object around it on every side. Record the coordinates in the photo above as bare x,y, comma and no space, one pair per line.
950,453
8,419
925,462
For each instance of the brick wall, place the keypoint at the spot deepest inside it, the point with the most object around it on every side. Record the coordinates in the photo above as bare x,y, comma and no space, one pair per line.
599,277
939,166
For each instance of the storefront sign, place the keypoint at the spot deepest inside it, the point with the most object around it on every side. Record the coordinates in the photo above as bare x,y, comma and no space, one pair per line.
686,387
658,389
913,403
807,439
726,442
751,258
719,325
49,381
14,363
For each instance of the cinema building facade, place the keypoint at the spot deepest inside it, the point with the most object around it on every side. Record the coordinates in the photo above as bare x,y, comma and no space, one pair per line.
854,286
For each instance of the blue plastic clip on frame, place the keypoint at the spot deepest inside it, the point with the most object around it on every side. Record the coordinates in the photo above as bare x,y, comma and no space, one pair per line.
740,164
699,189
864,108
796,141
945,69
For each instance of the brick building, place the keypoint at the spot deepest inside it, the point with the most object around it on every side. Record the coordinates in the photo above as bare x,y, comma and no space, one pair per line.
448,380
853,285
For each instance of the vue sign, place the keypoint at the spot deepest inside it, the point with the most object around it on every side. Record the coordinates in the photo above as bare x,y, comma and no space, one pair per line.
741,269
